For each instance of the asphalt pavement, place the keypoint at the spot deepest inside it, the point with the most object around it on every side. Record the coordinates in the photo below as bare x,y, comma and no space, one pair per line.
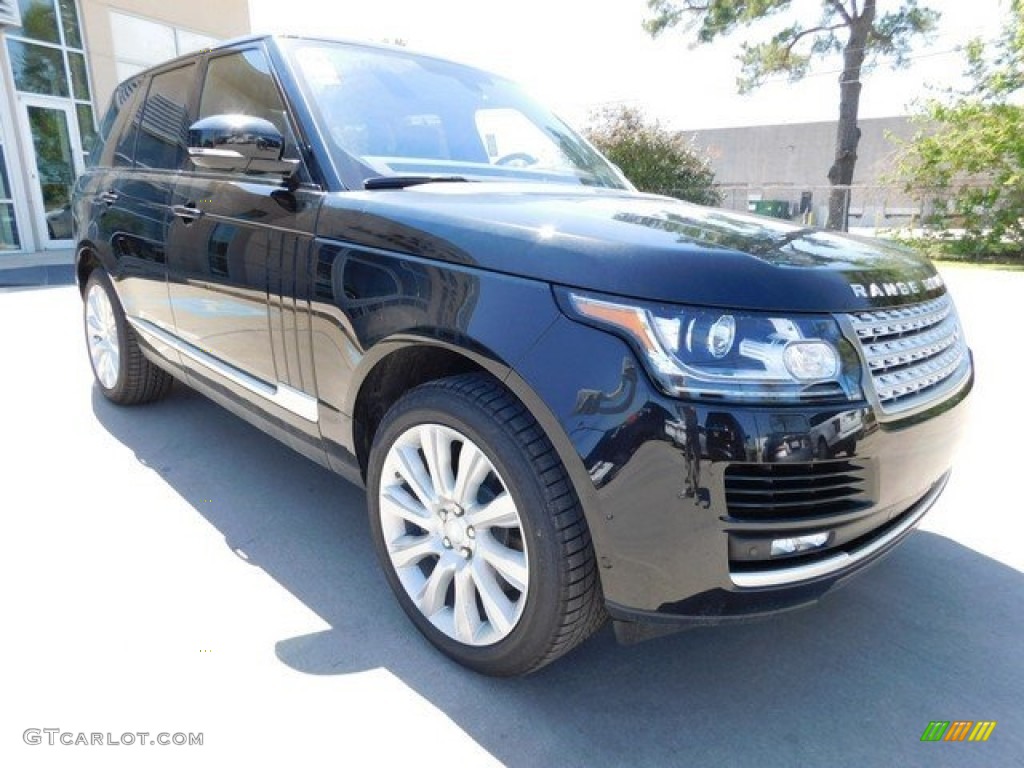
170,569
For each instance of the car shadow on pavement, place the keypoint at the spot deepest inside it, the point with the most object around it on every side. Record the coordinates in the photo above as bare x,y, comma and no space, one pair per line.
933,632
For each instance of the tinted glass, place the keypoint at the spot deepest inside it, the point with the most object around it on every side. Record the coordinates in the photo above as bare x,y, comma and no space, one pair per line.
163,132
115,142
140,41
37,69
38,20
241,83
5,189
69,20
55,166
86,126
9,240
79,79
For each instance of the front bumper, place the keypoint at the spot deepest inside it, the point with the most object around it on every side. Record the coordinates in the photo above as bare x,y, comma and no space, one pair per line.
877,541
685,500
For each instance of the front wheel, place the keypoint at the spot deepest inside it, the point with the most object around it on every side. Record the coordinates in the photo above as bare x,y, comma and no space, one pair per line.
478,528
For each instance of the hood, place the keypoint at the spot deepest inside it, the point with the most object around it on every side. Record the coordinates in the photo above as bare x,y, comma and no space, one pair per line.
632,245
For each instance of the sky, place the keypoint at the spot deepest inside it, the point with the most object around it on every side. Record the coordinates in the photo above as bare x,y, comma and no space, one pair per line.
577,55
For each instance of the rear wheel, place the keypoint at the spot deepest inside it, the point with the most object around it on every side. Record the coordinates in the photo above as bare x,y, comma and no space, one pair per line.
122,373
478,528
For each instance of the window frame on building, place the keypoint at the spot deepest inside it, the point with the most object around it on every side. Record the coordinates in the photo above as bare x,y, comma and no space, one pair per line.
68,50
128,65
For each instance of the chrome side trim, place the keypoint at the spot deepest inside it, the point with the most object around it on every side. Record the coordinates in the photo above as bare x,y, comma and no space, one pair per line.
297,401
290,399
788,576
248,222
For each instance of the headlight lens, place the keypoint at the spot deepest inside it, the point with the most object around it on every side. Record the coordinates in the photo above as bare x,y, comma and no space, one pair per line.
713,353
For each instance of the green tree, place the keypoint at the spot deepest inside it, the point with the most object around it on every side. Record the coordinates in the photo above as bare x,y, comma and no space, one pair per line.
968,155
856,29
652,157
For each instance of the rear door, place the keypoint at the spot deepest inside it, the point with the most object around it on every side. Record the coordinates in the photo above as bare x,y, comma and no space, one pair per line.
100,208
239,259
147,159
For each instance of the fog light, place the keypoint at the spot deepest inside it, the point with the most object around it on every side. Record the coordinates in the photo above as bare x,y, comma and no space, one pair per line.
798,544
811,360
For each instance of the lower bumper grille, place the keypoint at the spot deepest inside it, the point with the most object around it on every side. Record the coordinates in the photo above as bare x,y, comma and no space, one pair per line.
786,492
832,561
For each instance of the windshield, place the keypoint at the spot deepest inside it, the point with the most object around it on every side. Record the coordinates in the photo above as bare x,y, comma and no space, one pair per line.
400,114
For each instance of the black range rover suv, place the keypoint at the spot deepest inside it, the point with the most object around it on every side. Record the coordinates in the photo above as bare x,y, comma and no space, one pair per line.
567,400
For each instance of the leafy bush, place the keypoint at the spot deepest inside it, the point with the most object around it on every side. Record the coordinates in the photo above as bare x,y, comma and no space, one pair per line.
652,157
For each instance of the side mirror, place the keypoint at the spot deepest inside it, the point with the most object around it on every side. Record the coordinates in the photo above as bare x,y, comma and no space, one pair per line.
238,143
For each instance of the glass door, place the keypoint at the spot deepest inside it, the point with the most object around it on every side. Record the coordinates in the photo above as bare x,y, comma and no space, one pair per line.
9,238
54,159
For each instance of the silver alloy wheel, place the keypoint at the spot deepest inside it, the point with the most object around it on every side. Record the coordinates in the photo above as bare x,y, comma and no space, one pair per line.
454,535
101,331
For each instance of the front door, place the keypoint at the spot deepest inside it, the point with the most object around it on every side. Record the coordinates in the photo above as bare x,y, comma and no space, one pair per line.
238,261
54,159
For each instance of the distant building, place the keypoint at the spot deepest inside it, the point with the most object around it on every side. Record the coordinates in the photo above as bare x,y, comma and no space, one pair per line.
783,168
59,63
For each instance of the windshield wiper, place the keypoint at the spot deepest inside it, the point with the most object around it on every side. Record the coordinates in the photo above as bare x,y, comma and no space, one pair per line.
401,182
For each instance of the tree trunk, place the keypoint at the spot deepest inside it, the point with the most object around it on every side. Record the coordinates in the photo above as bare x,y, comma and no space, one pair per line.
840,175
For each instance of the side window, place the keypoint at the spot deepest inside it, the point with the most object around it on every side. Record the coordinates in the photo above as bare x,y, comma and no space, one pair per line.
163,131
241,83
115,141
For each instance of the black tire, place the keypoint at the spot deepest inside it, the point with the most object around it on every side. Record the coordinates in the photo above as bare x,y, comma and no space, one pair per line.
563,603
138,380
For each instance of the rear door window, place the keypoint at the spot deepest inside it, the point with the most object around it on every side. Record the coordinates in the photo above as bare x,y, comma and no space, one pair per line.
163,131
115,141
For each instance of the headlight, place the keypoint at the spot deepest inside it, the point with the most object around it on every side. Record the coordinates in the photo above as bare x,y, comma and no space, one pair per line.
715,353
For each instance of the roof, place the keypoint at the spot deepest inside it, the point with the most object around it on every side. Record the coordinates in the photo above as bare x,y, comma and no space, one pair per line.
234,42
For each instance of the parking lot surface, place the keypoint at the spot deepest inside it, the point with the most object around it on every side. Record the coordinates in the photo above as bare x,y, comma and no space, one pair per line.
171,569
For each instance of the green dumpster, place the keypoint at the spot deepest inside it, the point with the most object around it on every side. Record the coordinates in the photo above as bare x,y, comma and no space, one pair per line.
777,209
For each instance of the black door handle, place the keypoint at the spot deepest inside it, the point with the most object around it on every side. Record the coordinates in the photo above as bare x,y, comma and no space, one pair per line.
109,197
187,213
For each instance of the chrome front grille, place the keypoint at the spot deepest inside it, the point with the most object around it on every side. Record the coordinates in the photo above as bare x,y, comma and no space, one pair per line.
915,354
